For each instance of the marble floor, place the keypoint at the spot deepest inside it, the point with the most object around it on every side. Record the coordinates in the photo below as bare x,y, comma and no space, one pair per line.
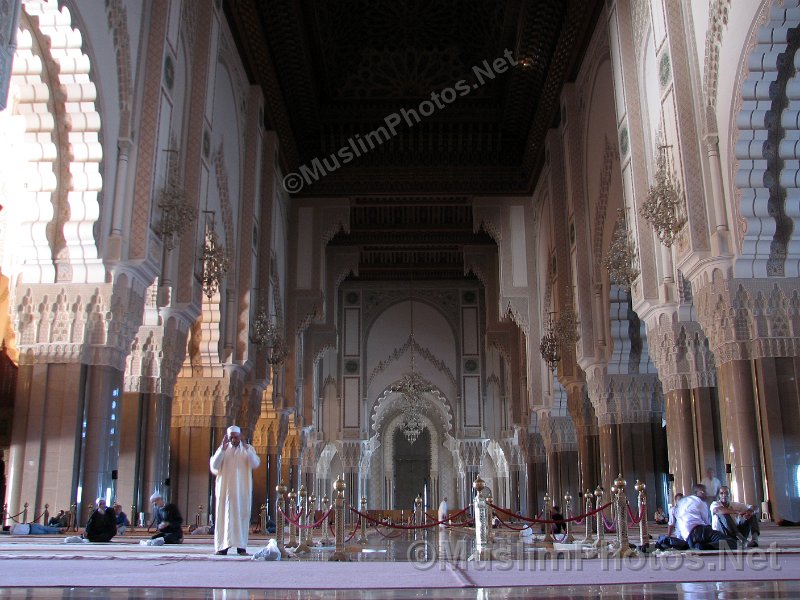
433,565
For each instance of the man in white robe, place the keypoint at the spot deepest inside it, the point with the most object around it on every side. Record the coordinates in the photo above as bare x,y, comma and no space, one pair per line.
233,464
443,512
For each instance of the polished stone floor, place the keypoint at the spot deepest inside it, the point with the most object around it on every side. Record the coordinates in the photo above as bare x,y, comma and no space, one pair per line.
433,566
764,590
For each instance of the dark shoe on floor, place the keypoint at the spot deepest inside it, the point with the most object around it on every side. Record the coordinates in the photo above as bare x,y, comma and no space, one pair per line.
221,552
751,544
241,551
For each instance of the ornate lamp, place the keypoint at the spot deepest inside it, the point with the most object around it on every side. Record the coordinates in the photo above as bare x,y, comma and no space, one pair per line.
621,258
176,213
662,208
215,261
412,387
264,333
550,346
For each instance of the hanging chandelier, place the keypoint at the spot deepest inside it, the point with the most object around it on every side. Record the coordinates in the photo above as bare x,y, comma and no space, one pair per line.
662,208
264,333
215,263
621,258
176,214
550,346
412,387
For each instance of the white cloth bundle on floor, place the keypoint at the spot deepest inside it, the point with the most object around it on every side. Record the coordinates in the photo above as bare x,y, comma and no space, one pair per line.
270,552
75,539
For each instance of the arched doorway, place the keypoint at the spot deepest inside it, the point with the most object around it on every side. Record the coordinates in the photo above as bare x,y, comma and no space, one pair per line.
412,467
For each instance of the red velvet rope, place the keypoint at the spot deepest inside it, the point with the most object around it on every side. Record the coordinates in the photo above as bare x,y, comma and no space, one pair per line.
296,520
386,535
352,535
609,525
537,520
312,526
423,526
633,519
14,517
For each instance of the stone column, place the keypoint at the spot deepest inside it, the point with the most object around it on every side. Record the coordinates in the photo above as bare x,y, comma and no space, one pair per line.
680,440
740,431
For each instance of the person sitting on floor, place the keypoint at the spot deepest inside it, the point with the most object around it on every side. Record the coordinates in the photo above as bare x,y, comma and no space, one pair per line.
671,520
735,519
692,523
168,521
660,517
102,524
122,519
59,520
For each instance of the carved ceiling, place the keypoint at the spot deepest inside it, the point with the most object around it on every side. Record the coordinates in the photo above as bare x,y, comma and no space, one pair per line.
336,73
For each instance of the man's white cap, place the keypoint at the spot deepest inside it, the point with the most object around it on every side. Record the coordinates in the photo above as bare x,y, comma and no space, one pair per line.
155,496
234,429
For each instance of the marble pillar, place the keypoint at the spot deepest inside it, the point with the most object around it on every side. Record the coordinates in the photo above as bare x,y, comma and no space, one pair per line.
779,422
740,422
681,444
193,484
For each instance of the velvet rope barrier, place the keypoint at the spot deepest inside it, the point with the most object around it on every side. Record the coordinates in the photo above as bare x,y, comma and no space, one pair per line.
296,520
633,520
352,535
608,524
312,526
557,521
14,517
393,526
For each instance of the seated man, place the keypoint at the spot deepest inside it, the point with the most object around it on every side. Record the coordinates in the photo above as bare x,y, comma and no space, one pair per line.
168,521
102,524
671,519
735,519
692,523
59,520
122,519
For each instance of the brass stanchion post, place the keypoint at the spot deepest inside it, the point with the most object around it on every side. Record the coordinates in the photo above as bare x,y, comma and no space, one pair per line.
262,517
587,520
312,504
483,544
362,539
292,514
489,515
599,542
133,518
548,527
46,515
303,520
24,513
644,536
622,520
339,486
568,538
326,506
280,520
73,516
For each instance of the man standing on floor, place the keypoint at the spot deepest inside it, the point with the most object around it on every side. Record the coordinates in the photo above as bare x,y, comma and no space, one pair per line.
233,464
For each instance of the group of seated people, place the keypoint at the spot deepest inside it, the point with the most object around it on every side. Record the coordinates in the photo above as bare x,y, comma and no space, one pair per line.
104,523
692,523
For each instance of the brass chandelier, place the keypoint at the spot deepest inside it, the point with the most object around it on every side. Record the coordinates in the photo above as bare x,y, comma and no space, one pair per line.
550,346
412,387
264,333
664,203
215,261
621,258
176,214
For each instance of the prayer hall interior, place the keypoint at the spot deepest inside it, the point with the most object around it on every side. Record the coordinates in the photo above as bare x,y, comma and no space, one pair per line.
406,243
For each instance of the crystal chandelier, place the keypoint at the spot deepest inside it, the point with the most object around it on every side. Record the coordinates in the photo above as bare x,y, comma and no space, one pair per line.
176,214
621,258
215,262
265,333
550,346
412,387
662,208
567,327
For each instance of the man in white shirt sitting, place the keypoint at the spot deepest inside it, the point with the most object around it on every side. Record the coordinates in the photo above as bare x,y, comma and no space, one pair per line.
692,523
735,519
